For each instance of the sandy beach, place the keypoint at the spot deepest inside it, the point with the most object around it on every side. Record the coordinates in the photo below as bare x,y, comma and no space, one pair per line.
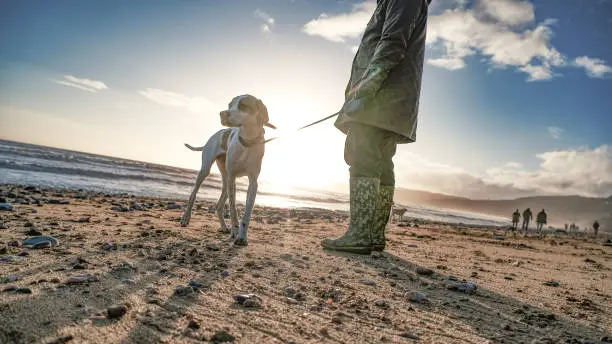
124,271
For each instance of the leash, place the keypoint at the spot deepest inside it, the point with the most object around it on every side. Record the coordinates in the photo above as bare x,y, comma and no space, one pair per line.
306,126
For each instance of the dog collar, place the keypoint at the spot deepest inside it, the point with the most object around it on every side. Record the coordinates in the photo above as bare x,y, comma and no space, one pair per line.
253,142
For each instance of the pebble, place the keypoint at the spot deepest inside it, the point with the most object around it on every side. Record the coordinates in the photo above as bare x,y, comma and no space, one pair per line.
184,291
499,238
23,254
368,282
23,290
83,220
293,294
213,247
417,297
195,284
9,279
551,284
222,337
13,243
116,311
6,207
120,208
225,273
408,335
128,281
172,205
33,232
464,287
412,245
193,325
452,278
382,303
424,271
291,301
40,242
109,246
248,300
78,279
9,288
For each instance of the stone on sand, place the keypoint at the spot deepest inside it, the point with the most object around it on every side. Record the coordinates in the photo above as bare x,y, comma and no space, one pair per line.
40,242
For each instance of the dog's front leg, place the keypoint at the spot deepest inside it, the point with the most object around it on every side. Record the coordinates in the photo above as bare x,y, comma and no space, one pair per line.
231,190
241,239
207,160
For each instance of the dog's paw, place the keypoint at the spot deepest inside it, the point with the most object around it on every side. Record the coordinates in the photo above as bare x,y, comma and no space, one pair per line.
241,242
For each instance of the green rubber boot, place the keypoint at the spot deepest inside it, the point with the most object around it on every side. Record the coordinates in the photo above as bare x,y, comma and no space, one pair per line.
358,237
381,217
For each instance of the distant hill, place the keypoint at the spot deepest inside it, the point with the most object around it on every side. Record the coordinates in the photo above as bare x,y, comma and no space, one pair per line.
561,209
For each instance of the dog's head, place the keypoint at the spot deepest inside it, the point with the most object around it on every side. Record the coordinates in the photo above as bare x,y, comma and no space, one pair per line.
245,110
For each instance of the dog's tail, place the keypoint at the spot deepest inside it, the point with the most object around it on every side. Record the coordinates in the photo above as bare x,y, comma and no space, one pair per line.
197,149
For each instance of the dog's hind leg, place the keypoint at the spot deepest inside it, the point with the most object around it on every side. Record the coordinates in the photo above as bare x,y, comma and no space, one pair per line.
241,238
208,157
231,189
223,197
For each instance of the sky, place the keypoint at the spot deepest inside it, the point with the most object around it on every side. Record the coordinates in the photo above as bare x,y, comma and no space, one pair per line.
516,96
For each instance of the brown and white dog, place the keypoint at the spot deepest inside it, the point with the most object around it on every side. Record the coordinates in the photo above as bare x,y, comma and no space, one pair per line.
238,152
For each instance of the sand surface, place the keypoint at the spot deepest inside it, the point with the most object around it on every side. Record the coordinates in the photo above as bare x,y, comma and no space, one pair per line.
550,290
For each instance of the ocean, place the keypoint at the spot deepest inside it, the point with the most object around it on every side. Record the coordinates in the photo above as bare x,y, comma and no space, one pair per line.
42,166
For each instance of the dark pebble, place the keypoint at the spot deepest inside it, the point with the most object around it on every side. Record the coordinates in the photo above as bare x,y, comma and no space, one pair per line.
23,290
424,271
222,337
193,325
116,311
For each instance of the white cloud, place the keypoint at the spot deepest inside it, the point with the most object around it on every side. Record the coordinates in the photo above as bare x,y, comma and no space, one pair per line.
193,104
595,68
82,84
464,32
555,132
343,26
510,12
584,172
266,27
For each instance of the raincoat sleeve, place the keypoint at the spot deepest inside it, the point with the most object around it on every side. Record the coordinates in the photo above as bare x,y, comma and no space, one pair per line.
401,17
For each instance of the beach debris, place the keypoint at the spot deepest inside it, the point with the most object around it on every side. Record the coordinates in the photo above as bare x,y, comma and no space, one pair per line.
116,311
463,287
6,207
248,300
415,296
424,271
368,282
222,337
40,242
551,283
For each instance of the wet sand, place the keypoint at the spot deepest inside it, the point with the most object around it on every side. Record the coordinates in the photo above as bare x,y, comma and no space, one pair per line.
129,254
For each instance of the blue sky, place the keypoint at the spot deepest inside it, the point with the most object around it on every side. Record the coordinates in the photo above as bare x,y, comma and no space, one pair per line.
516,95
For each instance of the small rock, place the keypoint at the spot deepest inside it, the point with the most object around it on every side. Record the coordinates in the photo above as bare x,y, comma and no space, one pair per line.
23,290
453,278
509,278
606,339
9,279
588,260
368,282
128,281
417,297
83,220
6,207
551,284
120,209
408,335
193,325
9,288
172,205
463,287
291,300
222,337
292,293
33,232
382,303
80,266
184,291
23,254
499,238
412,245
116,311
109,246
248,300
224,273
424,271
213,247
13,243
195,284
40,242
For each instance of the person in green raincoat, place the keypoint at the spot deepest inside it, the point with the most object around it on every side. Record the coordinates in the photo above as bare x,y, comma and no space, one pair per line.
380,110
527,215
541,220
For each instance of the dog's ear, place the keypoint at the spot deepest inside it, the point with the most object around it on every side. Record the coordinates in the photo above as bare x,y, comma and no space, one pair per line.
262,117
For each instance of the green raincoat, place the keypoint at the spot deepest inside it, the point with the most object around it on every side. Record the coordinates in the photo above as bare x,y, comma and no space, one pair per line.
385,83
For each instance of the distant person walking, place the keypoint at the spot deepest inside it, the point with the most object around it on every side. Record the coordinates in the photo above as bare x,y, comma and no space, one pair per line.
541,220
527,215
516,217
595,228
